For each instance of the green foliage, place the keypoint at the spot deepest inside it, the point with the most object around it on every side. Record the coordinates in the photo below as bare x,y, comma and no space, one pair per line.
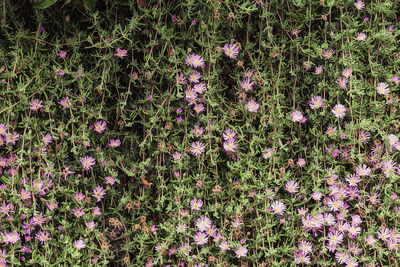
119,62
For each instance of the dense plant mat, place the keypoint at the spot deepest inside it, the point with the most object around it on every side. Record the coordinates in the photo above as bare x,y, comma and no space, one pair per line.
199,133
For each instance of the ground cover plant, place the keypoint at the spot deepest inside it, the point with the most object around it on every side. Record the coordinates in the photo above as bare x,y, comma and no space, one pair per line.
199,133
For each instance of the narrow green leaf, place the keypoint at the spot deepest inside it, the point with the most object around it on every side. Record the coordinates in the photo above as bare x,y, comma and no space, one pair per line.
44,4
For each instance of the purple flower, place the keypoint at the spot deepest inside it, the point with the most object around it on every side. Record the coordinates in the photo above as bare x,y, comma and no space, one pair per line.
200,238
198,108
383,89
196,204
231,50
195,61
194,77
52,205
199,88
62,54
396,79
247,85
47,139
60,73
203,223
297,116
278,207
43,237
180,78
318,70
121,53
328,54
241,252
66,102
100,126
224,246
252,106
12,138
316,102
110,180
115,143
197,148
3,129
79,212
359,5
339,111
342,82
292,187
36,105
98,193
361,37
87,162
230,145
12,237
96,211
347,73
79,197
79,244
90,225
295,32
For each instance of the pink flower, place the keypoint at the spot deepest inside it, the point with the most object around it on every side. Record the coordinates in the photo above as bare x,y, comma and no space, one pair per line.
110,180
60,73
383,89
66,102
231,50
200,238
297,116
177,155
87,162
396,79
180,78
36,104
230,145
79,244
295,32
100,126
62,54
328,54
115,143
342,82
363,170
347,73
121,53
361,37
318,70
98,193
3,129
197,148
196,204
198,108
195,61
316,102
224,246
241,252
43,237
247,85
203,223
194,77
199,88
339,111
359,5
292,187
278,207
252,106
